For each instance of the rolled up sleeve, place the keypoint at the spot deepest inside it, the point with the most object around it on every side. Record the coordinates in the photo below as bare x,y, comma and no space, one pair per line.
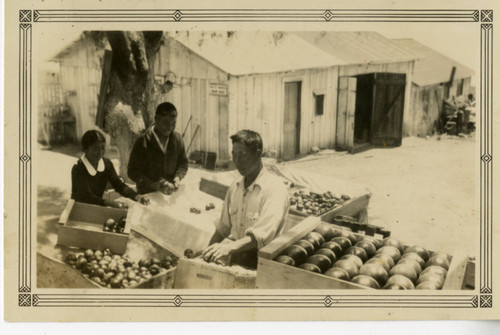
223,223
273,212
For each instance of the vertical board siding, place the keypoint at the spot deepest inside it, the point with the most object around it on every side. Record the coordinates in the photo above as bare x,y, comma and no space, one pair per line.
223,128
426,105
82,88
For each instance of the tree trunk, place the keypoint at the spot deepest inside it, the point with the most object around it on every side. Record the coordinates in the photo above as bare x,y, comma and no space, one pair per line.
131,86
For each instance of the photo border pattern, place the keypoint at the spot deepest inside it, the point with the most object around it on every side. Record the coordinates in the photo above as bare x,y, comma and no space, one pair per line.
29,17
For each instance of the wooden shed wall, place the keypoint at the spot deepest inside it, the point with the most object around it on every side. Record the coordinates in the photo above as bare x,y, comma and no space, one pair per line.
257,102
81,78
426,105
192,77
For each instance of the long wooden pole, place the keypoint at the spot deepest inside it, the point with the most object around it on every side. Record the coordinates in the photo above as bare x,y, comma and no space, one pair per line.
192,138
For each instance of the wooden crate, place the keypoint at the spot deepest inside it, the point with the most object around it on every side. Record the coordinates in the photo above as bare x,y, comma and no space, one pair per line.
196,273
351,207
53,273
470,275
274,275
81,225
213,188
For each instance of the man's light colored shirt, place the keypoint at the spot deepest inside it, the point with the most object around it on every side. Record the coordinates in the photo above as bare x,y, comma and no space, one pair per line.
259,211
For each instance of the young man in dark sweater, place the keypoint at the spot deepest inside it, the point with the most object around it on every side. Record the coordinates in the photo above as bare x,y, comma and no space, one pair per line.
158,159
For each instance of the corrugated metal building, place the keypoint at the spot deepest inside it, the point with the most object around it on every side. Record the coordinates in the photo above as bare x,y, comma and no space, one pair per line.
431,85
298,90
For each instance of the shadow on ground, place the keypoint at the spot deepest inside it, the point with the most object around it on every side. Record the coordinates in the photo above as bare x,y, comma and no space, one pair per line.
50,204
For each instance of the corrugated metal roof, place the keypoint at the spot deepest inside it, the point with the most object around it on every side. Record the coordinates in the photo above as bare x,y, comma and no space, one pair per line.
363,47
432,67
253,52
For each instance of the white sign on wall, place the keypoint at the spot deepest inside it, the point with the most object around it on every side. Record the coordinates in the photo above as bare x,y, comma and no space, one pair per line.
218,89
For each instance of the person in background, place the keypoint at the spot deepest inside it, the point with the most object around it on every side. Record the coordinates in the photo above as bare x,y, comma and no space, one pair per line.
158,160
255,207
471,101
92,172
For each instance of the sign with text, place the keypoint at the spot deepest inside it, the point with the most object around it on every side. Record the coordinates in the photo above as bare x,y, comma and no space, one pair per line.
218,89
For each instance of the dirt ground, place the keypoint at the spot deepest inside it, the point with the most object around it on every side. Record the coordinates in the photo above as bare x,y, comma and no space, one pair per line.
424,192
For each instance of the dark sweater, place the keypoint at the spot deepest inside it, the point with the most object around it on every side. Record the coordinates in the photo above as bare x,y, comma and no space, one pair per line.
148,164
89,189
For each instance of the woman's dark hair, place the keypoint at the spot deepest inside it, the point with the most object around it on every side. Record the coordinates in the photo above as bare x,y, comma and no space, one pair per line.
249,138
165,108
90,137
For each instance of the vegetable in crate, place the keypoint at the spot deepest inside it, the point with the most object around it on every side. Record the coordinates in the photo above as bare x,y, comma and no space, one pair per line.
315,203
400,280
338,273
321,261
113,226
375,271
348,265
365,281
118,271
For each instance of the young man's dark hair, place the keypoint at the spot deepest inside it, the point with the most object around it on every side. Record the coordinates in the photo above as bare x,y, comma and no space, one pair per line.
165,108
249,138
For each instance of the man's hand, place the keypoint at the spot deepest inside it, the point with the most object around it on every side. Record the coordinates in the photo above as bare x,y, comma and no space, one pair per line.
164,186
218,252
176,182
167,188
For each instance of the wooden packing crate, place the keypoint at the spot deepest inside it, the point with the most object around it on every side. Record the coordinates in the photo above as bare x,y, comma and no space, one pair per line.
213,188
274,275
470,275
351,207
53,273
196,273
81,225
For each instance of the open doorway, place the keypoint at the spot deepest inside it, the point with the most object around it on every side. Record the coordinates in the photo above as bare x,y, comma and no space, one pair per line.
370,111
291,119
363,109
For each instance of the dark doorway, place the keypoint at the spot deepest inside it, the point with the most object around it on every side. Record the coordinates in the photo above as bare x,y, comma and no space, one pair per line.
291,126
364,107
379,109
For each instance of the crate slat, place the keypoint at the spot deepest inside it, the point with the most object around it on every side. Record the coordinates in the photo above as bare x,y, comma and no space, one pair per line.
80,225
274,275
214,188
196,273
282,242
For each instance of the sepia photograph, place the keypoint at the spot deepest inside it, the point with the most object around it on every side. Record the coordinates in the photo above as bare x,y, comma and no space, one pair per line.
254,164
